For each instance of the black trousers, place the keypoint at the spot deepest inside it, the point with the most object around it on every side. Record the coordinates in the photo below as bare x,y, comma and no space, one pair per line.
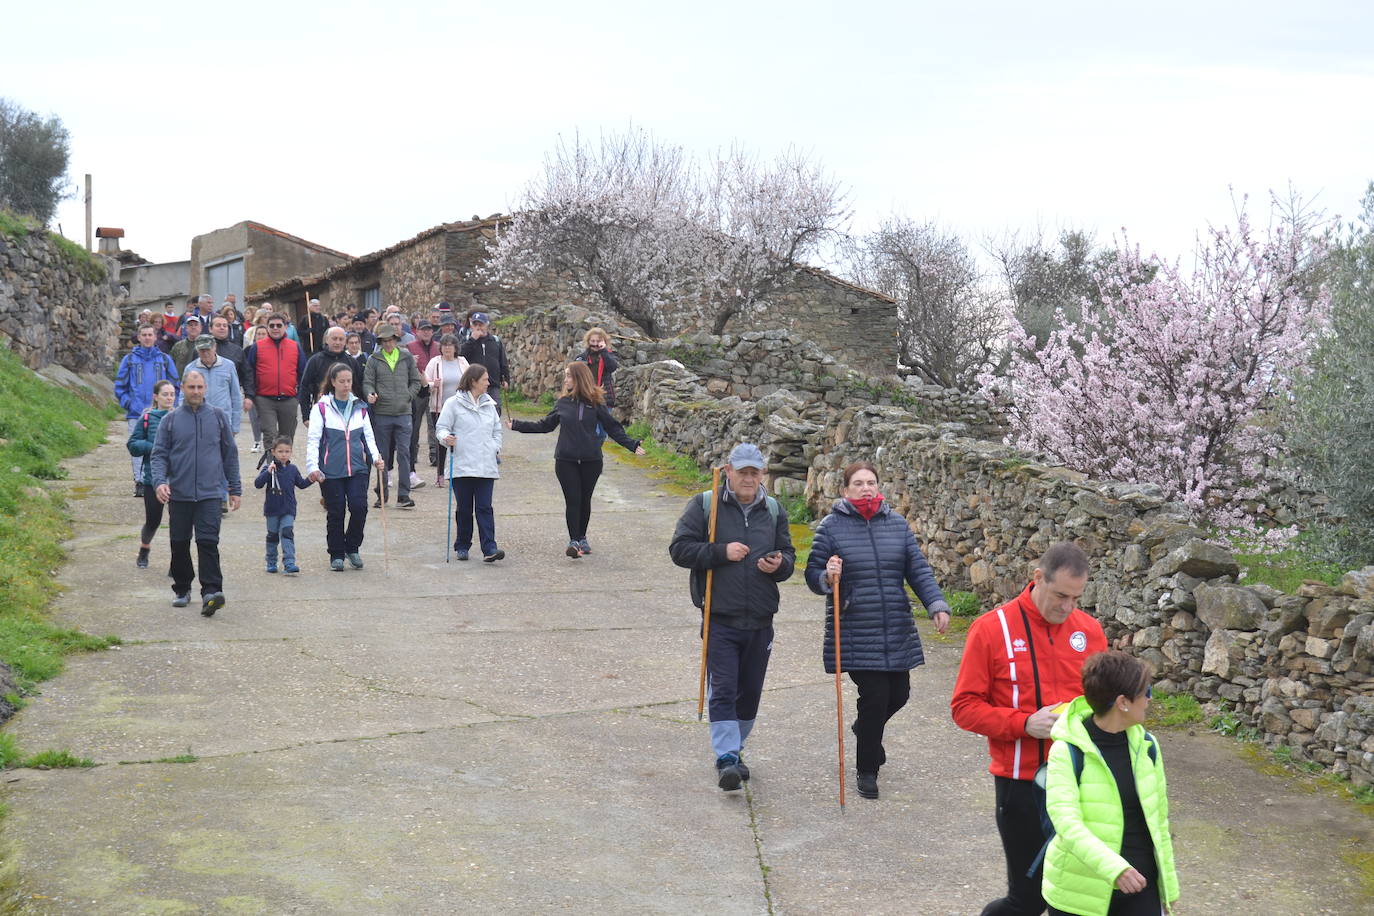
1018,821
201,518
578,480
344,493
881,694
152,515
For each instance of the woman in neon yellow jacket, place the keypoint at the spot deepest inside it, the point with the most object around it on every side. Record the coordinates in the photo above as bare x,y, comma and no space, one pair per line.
1111,854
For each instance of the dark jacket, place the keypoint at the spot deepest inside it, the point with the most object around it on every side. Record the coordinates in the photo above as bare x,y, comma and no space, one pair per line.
232,352
141,440
576,422
316,369
603,365
282,482
194,453
490,352
877,631
311,330
741,595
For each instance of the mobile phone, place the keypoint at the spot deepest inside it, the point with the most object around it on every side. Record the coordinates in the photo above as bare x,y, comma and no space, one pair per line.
772,556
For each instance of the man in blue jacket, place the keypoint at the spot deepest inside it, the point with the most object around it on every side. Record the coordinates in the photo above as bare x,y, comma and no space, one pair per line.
143,368
750,554
193,458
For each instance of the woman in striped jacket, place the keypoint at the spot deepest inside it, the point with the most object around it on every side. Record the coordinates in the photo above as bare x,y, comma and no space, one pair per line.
339,452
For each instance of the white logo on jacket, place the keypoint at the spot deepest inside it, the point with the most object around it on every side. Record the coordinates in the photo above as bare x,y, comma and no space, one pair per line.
1079,640
1018,645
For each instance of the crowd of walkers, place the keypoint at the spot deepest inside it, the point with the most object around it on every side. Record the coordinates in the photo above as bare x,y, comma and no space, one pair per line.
1081,799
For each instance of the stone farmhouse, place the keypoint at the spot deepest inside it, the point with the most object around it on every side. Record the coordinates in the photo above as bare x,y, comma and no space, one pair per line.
856,325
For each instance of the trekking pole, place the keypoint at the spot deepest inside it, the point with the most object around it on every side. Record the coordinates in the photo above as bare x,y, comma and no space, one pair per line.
448,540
706,603
839,692
386,546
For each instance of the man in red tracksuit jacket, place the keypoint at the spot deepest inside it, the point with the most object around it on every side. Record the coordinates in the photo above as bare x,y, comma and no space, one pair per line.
1021,660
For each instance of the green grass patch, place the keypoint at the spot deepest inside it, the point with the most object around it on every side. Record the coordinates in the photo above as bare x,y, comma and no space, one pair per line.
1287,569
55,760
179,758
90,267
675,469
1172,710
508,321
42,425
519,402
798,509
10,754
964,604
16,226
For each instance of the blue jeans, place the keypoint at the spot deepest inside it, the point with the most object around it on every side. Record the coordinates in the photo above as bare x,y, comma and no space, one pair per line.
340,493
281,529
473,496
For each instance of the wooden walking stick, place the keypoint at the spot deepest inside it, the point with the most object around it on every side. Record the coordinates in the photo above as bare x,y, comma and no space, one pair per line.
706,603
839,691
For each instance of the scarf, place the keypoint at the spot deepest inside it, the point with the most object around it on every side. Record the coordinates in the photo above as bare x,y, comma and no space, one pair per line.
867,506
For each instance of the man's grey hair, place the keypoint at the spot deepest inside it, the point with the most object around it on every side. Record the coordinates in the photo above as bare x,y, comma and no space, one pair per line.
206,297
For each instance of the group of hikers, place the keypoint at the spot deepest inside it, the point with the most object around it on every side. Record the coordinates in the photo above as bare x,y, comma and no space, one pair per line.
1081,802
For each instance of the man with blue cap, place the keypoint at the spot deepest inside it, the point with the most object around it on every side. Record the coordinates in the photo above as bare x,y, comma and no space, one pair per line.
749,555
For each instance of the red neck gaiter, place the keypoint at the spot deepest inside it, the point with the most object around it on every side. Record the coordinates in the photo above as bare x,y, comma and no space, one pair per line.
867,506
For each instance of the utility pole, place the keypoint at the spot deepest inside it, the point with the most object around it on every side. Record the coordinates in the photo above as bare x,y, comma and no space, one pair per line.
88,211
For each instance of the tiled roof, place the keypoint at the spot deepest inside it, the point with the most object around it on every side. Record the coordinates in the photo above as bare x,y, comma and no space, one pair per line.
305,243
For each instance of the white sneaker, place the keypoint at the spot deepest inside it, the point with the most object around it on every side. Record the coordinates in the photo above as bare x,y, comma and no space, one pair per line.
257,447
415,481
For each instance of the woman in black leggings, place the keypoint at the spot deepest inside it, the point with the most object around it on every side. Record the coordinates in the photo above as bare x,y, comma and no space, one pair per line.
141,443
578,415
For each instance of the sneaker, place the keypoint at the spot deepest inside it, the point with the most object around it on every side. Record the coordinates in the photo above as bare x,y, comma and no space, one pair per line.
728,775
211,603
181,600
867,784
356,560
336,564
224,508
405,503
142,561
292,569
415,481
138,491
377,504
460,554
257,447
574,549
493,557
587,548
272,567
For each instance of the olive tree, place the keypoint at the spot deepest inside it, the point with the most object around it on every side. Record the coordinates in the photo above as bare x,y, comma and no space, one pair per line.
34,152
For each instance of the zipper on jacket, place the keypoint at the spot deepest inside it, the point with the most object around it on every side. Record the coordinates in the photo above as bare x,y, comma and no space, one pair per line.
878,569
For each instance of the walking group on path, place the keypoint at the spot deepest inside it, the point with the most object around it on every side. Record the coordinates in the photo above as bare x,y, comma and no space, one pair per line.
1081,800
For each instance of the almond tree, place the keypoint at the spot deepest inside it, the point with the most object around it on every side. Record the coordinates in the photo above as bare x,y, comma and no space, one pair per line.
1168,379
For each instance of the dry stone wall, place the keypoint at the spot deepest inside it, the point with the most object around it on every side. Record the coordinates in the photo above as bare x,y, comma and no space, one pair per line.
54,309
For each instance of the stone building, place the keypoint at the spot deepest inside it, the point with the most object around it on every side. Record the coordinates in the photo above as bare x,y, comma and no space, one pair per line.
249,256
857,325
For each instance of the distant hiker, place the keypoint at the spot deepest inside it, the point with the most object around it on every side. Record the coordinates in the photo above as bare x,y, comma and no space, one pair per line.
390,383
486,348
339,453
750,554
193,457
273,366
1112,854
353,345
579,415
424,348
1021,661
221,329
398,323
471,427
139,372
317,368
873,551
140,445
311,327
363,328
281,479
596,353
443,373
235,328
184,350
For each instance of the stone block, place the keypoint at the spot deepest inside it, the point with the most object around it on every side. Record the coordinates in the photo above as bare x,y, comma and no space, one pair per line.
1221,654
1274,717
1358,583
1196,557
1328,616
1302,717
1318,647
1228,607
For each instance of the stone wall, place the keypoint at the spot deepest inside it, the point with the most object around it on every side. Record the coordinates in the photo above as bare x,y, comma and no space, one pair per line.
56,309
1295,667
410,276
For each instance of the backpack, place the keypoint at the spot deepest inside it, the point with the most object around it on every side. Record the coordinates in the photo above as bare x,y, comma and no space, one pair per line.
768,500
1047,825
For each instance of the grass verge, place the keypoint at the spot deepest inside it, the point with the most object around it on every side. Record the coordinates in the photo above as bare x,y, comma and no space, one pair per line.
1287,569
42,425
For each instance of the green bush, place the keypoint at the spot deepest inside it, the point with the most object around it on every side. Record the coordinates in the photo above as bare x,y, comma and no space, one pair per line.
964,604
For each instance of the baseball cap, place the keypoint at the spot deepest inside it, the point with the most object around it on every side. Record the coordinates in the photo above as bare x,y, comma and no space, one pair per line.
424,326
747,455
204,342
480,318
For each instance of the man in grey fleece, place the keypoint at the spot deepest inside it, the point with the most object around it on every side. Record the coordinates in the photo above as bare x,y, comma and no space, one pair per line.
193,458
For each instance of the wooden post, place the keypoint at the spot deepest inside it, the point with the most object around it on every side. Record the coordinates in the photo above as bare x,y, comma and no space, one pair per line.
88,212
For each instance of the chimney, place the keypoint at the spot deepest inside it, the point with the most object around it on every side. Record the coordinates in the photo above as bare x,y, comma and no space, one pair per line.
109,240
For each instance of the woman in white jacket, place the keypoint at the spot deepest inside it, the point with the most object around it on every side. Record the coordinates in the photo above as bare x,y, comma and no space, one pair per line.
470,425
442,376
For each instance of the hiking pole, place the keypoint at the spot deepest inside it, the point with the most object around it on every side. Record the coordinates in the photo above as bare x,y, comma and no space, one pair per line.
706,603
839,691
448,540
386,546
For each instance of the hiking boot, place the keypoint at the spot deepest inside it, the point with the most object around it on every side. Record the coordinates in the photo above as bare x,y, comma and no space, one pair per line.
574,550
377,503
138,491
272,567
728,775
292,569
586,549
743,769
493,557
355,559
867,784
142,561
211,603
405,503
336,564
181,600
460,554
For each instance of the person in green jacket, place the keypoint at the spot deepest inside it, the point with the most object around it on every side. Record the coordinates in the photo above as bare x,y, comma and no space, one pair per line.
140,445
1111,854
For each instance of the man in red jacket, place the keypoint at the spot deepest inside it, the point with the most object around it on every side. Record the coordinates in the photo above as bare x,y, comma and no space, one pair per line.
273,367
1021,661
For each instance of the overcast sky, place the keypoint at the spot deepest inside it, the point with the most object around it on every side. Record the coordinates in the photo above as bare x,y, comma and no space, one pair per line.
359,124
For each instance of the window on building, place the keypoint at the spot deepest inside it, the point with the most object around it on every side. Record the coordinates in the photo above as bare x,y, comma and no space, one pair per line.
372,298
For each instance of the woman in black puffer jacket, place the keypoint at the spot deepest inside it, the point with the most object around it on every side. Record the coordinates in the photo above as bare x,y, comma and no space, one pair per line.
874,553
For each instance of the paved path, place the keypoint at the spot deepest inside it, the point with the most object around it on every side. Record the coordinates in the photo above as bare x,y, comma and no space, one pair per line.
522,738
